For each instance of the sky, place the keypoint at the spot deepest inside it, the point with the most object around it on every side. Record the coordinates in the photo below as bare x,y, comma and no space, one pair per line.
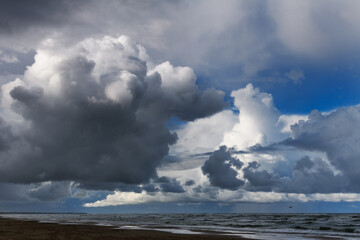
179,106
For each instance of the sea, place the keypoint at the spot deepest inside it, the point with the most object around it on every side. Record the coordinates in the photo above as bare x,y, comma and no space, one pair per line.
254,226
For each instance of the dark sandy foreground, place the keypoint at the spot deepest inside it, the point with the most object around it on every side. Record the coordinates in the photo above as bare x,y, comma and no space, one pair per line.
11,229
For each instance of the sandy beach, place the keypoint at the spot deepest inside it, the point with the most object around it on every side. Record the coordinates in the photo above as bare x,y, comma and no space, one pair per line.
11,229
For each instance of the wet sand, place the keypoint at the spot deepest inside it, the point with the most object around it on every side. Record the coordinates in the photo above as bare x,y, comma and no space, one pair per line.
11,229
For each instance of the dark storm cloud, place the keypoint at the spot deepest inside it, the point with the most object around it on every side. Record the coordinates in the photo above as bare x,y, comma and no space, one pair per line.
337,134
170,185
308,176
315,176
218,168
210,191
303,164
259,180
18,15
189,182
261,37
94,114
25,24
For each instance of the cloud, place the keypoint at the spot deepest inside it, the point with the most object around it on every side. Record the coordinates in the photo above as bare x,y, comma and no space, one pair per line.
40,192
51,191
124,198
296,75
170,185
249,36
22,15
336,134
189,182
308,176
95,113
219,169
296,21
259,180
181,95
257,122
8,58
286,121
314,176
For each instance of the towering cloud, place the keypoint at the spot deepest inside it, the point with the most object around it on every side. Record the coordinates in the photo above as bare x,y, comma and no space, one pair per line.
94,112
258,119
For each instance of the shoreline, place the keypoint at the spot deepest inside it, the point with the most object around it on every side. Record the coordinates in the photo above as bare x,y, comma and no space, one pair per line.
16,229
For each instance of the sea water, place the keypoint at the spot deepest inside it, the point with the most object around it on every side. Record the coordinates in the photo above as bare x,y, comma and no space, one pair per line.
256,226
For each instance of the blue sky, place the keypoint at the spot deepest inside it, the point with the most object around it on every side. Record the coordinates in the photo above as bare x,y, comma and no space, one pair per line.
187,106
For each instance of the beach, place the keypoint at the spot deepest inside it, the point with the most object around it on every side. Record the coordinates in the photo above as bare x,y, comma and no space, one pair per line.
14,229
